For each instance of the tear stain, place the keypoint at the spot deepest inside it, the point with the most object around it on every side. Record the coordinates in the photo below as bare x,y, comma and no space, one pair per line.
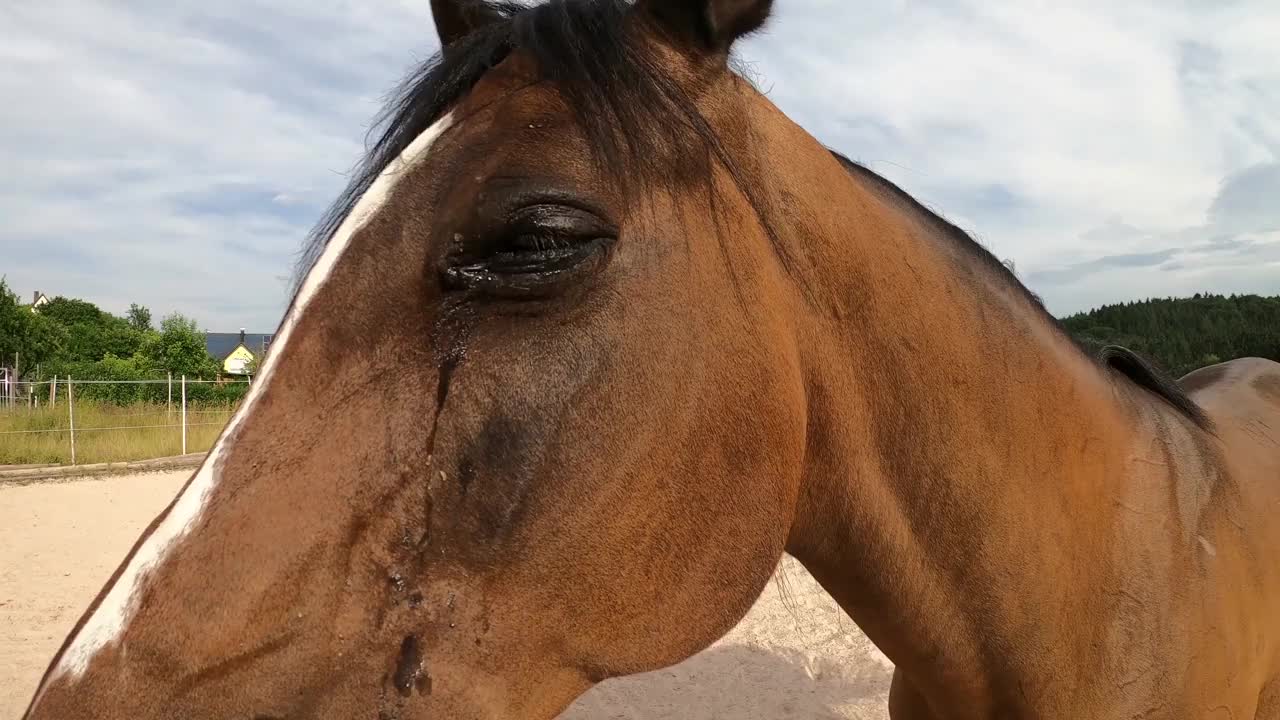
409,672
450,336
447,368
448,365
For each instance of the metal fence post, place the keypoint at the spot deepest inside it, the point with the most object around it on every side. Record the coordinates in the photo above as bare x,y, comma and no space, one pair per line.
71,416
184,414
169,405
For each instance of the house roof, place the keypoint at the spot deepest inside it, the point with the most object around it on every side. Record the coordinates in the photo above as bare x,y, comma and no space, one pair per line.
220,345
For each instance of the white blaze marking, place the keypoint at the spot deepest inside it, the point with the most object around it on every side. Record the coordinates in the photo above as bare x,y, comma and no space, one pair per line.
109,619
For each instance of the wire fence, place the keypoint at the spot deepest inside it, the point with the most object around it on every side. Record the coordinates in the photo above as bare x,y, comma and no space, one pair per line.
52,418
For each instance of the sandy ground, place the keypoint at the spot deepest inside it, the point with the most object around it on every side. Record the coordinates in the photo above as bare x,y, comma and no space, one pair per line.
795,655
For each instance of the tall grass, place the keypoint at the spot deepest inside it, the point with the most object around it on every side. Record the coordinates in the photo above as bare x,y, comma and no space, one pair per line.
146,431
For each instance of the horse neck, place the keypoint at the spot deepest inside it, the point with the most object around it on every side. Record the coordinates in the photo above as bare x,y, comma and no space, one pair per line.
965,460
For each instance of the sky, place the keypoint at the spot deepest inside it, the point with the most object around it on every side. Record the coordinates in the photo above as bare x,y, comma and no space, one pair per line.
176,153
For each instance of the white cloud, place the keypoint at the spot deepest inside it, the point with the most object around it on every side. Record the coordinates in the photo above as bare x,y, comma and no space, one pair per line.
175,154
1090,116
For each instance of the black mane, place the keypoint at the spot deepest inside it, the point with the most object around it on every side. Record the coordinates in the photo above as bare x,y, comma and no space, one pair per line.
1122,360
1142,372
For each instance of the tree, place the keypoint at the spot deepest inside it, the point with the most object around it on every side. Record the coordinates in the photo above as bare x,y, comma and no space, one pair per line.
45,341
139,317
93,342
70,311
13,327
179,348
23,333
91,333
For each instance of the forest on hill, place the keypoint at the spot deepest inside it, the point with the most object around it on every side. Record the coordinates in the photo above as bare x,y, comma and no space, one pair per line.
1182,334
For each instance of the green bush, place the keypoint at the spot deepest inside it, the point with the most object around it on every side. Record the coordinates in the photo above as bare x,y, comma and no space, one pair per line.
126,387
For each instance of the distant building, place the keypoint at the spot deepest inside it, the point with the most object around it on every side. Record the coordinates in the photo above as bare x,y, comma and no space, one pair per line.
38,300
237,353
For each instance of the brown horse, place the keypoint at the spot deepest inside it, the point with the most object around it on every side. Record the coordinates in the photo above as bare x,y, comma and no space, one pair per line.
656,335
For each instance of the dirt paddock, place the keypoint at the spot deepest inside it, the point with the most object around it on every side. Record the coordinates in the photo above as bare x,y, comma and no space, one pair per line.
794,656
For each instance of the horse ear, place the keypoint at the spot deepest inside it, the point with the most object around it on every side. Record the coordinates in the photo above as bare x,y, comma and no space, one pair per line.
710,25
455,19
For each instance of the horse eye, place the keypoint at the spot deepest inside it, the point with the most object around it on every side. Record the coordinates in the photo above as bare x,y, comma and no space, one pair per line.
541,227
538,250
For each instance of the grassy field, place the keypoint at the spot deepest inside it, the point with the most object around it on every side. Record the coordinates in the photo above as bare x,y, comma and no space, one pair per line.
146,431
